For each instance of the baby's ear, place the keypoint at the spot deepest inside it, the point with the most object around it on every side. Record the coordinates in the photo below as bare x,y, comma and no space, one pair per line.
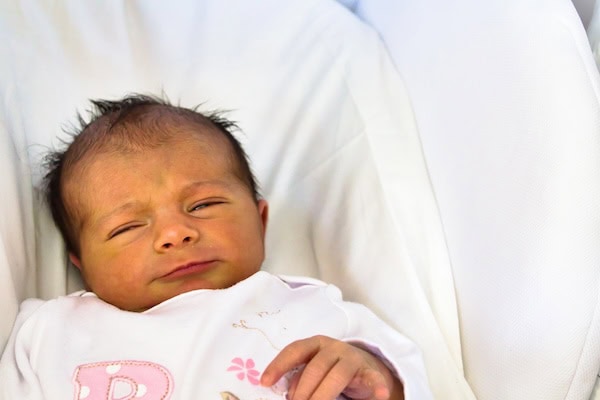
263,210
75,260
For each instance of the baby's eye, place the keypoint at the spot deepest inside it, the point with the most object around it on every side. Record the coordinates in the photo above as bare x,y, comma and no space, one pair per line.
122,229
203,205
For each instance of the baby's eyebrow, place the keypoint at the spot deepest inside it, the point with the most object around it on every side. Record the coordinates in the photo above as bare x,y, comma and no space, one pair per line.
198,185
130,205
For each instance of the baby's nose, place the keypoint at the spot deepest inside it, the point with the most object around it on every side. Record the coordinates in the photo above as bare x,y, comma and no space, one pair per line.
175,235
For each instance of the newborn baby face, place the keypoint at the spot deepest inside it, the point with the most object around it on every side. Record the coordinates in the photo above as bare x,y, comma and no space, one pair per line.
165,220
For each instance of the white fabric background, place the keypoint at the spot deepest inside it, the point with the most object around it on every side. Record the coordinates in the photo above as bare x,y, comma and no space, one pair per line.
593,32
506,100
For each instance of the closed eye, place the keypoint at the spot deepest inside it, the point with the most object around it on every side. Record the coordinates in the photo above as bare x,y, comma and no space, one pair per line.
122,229
205,204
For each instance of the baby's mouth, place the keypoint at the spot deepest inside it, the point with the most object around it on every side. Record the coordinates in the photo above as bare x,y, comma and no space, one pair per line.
193,267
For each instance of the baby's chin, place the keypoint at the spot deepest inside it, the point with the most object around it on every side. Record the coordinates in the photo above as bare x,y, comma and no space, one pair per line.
137,304
160,292
141,306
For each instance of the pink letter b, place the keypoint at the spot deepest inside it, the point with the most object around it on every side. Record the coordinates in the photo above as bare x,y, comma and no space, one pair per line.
122,380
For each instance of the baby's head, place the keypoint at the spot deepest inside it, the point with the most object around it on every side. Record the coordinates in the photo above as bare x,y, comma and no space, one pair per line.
155,200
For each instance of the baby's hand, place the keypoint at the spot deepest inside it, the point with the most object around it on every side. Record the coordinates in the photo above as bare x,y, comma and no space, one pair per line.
332,367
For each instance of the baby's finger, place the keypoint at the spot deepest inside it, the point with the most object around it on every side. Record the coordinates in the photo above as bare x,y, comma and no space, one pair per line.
293,355
324,377
366,384
318,382
293,384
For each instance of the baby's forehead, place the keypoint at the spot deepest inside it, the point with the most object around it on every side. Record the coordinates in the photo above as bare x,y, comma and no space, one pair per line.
112,166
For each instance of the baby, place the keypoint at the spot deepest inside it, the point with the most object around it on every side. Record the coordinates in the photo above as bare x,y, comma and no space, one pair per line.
160,212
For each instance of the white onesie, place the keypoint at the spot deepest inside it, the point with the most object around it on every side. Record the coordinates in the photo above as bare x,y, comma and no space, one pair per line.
204,344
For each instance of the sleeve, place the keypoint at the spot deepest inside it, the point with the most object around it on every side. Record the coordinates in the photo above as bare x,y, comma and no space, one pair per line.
400,354
18,379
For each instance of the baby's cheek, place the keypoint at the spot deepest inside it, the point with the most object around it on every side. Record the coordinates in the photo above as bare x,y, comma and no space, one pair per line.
114,285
